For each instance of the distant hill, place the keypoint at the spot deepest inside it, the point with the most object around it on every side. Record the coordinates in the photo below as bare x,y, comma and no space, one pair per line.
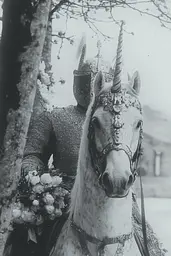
156,124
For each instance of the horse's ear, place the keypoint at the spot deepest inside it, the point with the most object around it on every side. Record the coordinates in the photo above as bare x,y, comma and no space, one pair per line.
98,83
135,82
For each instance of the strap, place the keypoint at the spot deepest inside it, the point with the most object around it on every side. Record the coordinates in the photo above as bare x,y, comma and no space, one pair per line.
139,243
82,239
143,220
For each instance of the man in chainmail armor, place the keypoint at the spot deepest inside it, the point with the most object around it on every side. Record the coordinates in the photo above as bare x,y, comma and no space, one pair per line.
59,133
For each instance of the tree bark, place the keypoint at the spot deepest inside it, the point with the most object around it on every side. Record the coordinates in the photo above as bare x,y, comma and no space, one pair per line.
23,35
40,103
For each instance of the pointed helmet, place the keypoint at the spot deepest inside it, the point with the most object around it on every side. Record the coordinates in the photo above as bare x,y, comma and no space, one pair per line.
83,78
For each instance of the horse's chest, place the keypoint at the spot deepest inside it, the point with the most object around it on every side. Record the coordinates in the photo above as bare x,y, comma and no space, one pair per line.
130,249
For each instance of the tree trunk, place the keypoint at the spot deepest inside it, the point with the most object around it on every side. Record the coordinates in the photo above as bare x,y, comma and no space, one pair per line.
46,55
40,103
23,36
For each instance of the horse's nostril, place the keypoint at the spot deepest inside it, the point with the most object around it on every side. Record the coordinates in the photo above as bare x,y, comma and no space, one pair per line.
105,178
107,182
126,183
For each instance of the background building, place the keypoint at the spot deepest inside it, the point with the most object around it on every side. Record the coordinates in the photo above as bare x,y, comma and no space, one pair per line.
155,164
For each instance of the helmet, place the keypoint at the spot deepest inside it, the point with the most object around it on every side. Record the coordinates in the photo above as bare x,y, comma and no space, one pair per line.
82,86
83,77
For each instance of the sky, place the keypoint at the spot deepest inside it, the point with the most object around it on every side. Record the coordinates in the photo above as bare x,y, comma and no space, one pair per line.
148,51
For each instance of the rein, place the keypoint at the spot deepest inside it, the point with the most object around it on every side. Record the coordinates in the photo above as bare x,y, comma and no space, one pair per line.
143,248
84,237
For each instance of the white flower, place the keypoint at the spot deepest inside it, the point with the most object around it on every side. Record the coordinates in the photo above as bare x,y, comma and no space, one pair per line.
18,221
60,192
18,205
32,197
48,199
34,208
49,208
45,79
46,178
16,213
38,188
35,203
61,204
52,216
27,177
30,176
56,180
58,212
34,180
28,216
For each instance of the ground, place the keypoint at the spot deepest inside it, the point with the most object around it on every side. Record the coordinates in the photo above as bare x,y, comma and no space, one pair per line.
158,212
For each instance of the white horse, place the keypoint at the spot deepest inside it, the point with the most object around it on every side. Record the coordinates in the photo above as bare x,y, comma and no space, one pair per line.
100,221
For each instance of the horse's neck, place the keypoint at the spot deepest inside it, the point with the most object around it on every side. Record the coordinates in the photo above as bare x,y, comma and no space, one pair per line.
99,215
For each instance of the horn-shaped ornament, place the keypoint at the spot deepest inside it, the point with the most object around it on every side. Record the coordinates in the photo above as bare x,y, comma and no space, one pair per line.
83,53
118,66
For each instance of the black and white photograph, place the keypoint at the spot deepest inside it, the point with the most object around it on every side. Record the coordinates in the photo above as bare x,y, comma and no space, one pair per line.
85,128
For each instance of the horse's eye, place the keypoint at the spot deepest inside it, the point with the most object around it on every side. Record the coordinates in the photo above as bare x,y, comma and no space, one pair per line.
139,124
96,122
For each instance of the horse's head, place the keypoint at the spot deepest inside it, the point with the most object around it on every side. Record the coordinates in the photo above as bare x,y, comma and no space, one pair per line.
115,132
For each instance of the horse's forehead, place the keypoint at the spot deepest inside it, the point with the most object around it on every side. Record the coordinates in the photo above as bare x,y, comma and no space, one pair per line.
118,102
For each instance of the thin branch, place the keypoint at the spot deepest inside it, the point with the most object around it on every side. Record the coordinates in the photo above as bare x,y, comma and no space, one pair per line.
63,37
150,14
58,6
103,5
82,8
160,10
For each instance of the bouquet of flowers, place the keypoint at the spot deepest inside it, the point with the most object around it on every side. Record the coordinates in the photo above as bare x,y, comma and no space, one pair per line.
41,197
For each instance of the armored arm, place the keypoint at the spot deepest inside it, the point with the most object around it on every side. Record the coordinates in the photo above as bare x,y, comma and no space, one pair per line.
40,144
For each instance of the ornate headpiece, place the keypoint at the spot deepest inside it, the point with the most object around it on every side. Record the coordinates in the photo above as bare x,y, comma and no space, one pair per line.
115,100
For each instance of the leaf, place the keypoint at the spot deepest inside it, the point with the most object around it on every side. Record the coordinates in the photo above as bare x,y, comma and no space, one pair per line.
39,230
32,235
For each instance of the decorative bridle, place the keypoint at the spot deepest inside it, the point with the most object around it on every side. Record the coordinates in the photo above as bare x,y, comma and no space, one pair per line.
114,103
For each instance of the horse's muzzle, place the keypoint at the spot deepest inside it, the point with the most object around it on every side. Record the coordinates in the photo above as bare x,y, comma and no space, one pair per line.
118,187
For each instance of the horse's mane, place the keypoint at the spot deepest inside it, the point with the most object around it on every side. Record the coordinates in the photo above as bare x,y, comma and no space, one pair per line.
82,158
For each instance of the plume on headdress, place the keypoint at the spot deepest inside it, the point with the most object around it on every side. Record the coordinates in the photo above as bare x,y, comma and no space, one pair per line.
81,52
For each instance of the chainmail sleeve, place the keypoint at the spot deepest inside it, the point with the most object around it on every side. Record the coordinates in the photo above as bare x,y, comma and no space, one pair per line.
40,144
